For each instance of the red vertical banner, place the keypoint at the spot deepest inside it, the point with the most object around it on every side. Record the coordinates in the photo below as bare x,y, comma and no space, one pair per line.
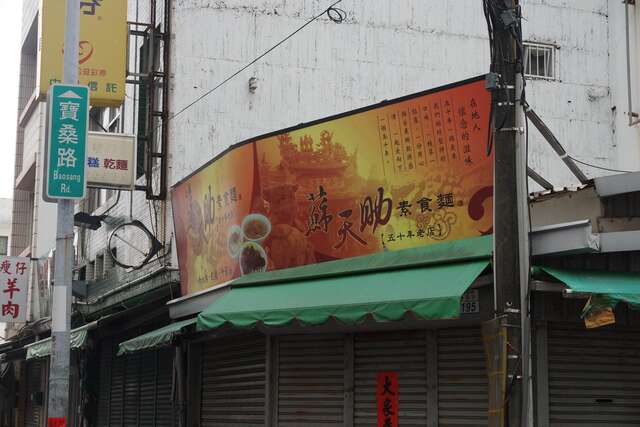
57,422
387,394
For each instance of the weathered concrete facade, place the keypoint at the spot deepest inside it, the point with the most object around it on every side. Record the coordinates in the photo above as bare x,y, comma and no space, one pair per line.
384,50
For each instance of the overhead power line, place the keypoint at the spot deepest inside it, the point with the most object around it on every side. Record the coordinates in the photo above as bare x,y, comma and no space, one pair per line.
333,13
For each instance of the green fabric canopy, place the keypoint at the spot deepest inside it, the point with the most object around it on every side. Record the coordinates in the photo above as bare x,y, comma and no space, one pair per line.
154,339
617,286
384,287
478,248
42,348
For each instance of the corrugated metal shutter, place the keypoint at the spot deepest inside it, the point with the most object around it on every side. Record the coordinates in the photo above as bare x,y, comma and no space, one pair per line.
34,412
166,415
104,383
135,390
116,397
462,378
131,388
310,380
233,382
594,376
147,378
400,351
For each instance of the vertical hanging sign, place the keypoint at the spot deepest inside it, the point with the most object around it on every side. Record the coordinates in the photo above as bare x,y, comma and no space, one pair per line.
387,396
14,278
68,108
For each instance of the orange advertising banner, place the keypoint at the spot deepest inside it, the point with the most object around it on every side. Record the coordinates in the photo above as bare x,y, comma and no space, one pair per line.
400,174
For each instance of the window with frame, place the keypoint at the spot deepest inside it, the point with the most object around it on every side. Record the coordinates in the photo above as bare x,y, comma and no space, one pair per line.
540,60
4,245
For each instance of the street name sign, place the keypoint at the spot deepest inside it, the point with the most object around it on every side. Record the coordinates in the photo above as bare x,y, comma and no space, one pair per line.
67,128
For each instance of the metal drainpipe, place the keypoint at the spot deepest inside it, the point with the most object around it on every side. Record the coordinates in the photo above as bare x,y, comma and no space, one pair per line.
632,116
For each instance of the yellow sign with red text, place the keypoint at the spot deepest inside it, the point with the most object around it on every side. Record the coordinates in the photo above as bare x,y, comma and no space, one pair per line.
404,173
102,48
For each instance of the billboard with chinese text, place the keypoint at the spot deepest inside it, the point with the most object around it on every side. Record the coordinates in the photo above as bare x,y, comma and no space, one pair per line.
14,279
404,173
102,50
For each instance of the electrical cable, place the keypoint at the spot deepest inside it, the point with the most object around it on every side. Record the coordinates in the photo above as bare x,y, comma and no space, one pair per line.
333,13
599,167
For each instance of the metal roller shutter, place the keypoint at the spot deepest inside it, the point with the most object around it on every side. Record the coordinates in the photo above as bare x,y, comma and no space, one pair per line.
131,389
403,352
165,415
104,385
116,394
147,377
594,376
233,382
311,380
34,412
462,378
135,390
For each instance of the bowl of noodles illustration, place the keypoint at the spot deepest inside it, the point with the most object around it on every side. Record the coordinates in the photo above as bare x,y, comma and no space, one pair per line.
253,258
255,227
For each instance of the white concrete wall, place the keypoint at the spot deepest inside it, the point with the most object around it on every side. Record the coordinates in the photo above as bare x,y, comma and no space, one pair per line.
384,50
627,139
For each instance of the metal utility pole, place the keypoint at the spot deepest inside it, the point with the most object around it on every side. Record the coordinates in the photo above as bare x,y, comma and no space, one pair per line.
511,227
61,313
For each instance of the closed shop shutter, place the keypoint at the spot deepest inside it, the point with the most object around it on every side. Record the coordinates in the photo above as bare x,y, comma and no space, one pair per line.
104,383
233,382
34,411
462,378
148,368
135,389
131,388
310,380
165,413
594,376
401,352
116,393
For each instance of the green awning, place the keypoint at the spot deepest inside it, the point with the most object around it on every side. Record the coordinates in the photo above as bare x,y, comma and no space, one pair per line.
42,348
426,282
617,286
159,338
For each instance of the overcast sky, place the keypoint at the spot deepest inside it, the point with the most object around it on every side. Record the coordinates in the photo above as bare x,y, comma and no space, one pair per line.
10,24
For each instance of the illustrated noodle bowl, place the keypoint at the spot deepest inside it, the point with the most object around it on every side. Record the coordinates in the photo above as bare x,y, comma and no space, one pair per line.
255,229
252,259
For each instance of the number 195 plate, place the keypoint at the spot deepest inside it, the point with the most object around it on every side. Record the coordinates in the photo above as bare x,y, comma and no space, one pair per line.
470,302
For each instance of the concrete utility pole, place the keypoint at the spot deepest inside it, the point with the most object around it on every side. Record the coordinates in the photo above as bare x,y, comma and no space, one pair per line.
511,221
58,408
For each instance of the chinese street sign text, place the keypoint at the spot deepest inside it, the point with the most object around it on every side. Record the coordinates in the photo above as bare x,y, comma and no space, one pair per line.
68,111
14,278
387,397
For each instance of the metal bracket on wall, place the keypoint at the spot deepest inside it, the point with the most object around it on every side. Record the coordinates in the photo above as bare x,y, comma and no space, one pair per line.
151,72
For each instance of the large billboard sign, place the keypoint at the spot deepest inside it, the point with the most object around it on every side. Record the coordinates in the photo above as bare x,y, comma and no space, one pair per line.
102,49
400,174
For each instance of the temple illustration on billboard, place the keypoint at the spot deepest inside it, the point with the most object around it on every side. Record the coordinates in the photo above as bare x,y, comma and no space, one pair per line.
310,165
